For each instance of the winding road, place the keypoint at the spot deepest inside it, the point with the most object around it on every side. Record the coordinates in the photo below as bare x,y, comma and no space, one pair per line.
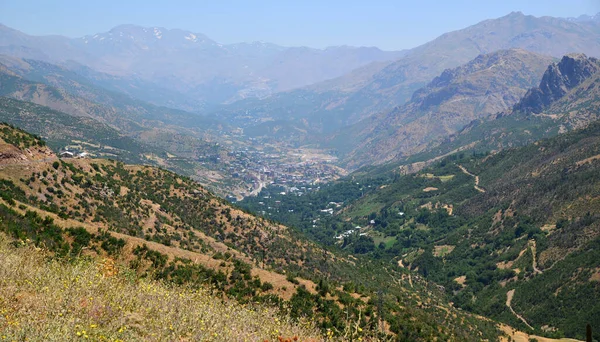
476,186
509,296
536,270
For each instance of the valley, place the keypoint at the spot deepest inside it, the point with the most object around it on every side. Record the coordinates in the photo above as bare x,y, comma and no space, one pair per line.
173,187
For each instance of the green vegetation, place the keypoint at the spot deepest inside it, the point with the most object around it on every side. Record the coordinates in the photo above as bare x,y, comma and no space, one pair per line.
534,224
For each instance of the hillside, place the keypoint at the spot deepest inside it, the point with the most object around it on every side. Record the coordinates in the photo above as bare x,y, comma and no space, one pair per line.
217,155
80,78
329,106
61,130
167,148
512,236
167,227
105,303
485,86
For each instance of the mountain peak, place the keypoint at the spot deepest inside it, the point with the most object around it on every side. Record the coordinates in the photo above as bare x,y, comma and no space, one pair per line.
129,33
514,15
559,79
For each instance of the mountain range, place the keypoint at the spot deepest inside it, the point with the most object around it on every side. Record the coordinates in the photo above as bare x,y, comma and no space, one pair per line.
190,64
565,99
376,88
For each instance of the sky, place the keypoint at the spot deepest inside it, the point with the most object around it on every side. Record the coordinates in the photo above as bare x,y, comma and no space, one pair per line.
387,24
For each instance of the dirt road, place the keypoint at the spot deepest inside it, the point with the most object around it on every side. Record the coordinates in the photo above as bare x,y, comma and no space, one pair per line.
476,186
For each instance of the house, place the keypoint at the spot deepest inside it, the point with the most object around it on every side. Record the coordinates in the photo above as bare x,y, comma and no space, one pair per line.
66,154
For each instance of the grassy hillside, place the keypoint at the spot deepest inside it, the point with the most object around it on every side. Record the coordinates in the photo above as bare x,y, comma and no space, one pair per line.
166,227
95,299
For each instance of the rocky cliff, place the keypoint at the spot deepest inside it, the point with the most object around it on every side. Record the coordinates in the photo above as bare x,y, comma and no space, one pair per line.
557,81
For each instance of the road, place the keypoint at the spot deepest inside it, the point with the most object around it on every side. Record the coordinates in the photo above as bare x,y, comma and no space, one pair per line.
536,270
509,296
476,186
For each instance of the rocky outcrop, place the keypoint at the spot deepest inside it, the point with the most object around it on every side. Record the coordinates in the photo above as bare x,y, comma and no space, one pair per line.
557,81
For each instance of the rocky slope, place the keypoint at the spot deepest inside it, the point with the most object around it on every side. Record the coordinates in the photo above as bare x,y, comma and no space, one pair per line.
557,81
566,98
481,88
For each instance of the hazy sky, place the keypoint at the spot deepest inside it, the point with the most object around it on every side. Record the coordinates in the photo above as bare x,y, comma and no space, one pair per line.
388,24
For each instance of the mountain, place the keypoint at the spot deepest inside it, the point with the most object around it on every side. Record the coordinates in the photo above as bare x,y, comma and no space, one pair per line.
326,107
191,63
192,144
558,80
156,224
61,130
135,87
59,88
159,147
73,112
544,35
586,17
530,230
485,86
566,99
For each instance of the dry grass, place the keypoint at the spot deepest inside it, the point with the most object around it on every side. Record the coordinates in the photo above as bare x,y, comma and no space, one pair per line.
53,300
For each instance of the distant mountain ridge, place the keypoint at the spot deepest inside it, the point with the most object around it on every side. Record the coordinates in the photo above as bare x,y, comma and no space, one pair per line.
50,85
192,63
